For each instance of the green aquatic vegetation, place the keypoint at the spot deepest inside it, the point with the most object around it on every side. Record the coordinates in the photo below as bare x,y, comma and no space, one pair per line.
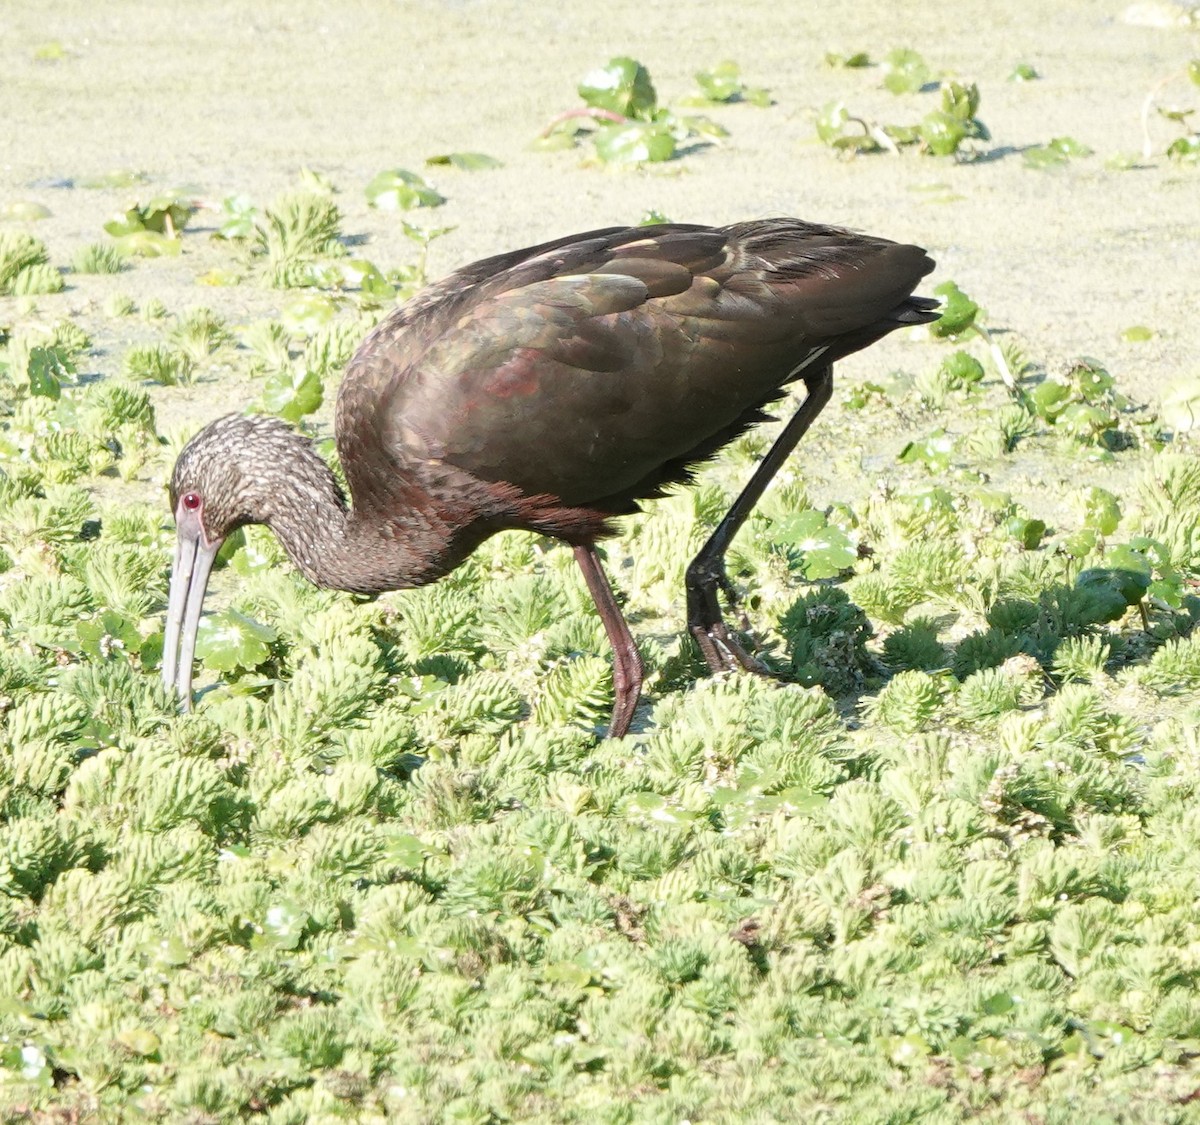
239,217
465,161
905,71
158,363
400,190
1186,148
623,120
953,129
269,344
1055,153
25,268
854,60
388,868
199,333
153,229
165,214
1083,404
723,85
297,233
98,258
292,392
24,211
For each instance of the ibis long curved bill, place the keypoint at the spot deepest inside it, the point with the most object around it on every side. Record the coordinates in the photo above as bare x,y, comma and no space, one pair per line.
195,554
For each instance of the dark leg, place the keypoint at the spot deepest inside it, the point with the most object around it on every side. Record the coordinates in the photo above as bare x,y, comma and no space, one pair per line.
627,661
706,574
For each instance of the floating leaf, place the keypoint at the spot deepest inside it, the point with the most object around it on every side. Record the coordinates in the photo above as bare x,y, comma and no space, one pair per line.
958,312
1026,531
838,129
24,211
853,61
962,369
1055,153
1137,334
400,190
826,549
281,926
1101,510
1181,404
292,392
634,143
934,451
48,367
230,640
622,86
905,71
654,807
1023,72
304,315
465,161
723,84
148,244
238,217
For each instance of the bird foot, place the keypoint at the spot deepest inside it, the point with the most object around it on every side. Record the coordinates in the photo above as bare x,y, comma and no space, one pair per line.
723,652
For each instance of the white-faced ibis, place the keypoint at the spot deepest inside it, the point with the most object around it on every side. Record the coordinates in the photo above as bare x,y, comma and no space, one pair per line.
549,389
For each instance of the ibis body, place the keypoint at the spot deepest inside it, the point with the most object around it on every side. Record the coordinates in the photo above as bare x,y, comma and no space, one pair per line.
550,389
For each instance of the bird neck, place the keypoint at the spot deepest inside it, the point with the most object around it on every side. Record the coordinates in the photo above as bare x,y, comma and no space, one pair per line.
365,549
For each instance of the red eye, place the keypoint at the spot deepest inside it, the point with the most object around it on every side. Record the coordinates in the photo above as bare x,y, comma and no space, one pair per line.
190,500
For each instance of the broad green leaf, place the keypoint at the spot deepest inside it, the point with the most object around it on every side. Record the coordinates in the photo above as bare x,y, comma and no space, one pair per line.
836,128
292,392
958,312
230,640
826,550
942,132
1181,404
48,367
1050,398
282,926
963,369
1026,531
238,217
1137,334
905,71
1101,510
400,190
1185,149
108,633
24,211
304,315
465,161
654,807
634,143
934,451
853,61
622,86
